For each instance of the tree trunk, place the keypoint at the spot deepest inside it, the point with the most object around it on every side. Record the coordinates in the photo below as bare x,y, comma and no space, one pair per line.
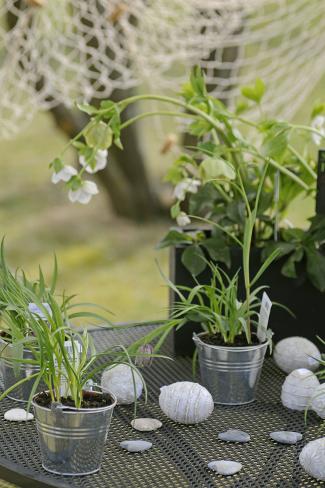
125,179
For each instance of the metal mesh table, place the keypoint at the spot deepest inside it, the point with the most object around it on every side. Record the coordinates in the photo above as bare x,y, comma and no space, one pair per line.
179,456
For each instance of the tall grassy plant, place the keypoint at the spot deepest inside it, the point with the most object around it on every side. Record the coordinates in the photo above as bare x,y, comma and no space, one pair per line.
17,293
61,367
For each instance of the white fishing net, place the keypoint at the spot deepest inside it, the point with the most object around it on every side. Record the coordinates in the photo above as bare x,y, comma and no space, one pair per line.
54,51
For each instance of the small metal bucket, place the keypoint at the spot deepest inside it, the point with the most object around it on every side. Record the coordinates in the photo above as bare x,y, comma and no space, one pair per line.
231,374
13,371
72,440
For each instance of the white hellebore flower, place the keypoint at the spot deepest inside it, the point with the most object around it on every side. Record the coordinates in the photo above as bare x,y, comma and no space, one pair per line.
101,161
36,311
189,185
319,124
182,219
65,174
85,193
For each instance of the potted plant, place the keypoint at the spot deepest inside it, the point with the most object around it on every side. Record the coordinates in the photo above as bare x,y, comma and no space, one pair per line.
72,415
235,336
226,140
16,296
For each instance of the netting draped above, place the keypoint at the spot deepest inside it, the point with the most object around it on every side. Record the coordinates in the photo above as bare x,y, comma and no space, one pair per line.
66,50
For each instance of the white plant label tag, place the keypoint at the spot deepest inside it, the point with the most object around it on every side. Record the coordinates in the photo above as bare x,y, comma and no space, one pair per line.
264,316
74,351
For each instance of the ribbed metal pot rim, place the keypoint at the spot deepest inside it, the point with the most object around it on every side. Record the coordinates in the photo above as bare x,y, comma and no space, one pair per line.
74,410
253,347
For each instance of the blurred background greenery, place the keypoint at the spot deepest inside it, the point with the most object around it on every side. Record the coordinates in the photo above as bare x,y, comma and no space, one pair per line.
102,258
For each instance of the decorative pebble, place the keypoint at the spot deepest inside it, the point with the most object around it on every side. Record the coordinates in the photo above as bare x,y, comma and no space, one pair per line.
136,446
234,435
298,389
312,458
286,437
318,401
146,424
186,402
296,352
226,468
120,381
18,415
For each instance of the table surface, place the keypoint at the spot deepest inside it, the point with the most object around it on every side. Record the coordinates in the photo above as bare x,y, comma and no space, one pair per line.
180,453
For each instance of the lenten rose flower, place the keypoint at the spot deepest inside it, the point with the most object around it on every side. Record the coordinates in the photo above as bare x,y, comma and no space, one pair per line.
65,174
84,193
101,161
319,124
189,185
182,219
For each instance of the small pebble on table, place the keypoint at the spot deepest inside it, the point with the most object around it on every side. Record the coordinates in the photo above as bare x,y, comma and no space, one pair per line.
226,468
136,445
234,435
146,424
286,437
18,415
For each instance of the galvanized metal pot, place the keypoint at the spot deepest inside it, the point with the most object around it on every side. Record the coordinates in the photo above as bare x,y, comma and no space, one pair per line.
72,440
12,371
231,374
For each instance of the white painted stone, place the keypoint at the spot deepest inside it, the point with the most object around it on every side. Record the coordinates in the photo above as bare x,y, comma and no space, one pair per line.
312,458
186,402
119,381
318,401
296,352
18,415
298,389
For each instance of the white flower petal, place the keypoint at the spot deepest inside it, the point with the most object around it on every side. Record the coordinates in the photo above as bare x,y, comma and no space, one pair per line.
101,164
55,178
183,219
74,195
319,124
187,185
84,197
65,174
90,187
102,154
82,161
179,191
101,161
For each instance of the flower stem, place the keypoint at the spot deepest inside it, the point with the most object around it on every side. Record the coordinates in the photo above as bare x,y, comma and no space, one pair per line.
158,112
302,161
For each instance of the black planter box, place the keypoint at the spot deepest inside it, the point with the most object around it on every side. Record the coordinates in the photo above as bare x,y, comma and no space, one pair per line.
305,301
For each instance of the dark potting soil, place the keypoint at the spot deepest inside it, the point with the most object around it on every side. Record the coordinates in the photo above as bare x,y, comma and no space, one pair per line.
5,335
217,340
91,399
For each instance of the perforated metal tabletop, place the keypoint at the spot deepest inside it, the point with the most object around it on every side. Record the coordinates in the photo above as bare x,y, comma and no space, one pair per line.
179,456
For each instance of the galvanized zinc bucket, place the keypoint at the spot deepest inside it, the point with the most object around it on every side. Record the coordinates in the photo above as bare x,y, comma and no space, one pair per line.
72,440
231,374
13,371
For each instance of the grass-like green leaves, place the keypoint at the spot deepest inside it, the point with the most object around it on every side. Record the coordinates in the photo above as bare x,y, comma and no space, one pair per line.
16,295
67,359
